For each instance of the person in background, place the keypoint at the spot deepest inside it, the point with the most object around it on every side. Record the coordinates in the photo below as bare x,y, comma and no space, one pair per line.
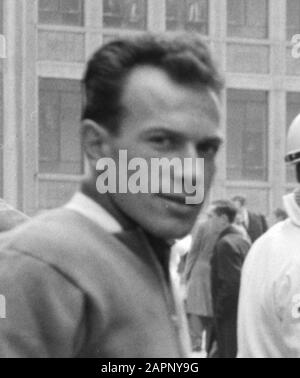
280,215
239,224
179,253
197,277
92,279
226,266
269,308
255,224
182,249
10,217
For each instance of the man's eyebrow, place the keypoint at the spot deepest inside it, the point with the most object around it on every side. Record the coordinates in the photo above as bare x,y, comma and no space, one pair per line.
212,140
162,129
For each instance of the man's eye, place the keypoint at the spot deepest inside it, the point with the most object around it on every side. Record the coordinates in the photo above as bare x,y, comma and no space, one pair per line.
161,141
208,150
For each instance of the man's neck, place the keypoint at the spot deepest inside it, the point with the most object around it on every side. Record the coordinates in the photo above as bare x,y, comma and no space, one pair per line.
105,201
244,211
160,247
225,229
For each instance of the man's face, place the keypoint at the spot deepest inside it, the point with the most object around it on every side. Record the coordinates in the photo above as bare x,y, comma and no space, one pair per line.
239,219
166,120
238,206
217,223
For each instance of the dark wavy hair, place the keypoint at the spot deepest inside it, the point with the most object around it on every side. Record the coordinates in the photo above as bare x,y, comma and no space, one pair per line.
241,199
225,207
185,58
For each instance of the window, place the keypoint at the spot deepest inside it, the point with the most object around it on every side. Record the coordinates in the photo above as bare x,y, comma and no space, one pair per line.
191,15
247,18
2,38
292,110
1,16
61,12
247,135
293,18
59,130
125,14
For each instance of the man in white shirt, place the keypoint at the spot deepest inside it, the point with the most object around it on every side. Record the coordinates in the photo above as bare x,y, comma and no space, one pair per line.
269,308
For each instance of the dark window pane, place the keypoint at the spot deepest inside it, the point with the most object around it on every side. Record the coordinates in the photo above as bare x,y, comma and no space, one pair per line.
247,18
49,5
125,14
191,15
70,6
1,16
247,135
292,110
59,130
293,18
61,12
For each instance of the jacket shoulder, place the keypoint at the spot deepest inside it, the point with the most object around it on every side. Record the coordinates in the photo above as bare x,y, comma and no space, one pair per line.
10,217
60,237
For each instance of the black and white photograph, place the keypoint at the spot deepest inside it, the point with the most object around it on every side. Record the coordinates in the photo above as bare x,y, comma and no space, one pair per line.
149,182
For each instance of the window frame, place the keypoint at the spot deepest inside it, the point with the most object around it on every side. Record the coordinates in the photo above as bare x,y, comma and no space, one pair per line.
245,134
58,86
62,15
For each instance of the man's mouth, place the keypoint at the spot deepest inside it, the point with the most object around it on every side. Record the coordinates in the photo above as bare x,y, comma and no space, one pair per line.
176,199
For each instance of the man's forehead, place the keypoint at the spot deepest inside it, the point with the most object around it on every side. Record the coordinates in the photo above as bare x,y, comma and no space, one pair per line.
150,89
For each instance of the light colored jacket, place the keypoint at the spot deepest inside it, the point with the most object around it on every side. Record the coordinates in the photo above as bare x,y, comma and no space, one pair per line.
74,290
10,217
269,309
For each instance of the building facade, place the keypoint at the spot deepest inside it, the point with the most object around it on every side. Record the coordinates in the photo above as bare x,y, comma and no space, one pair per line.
49,41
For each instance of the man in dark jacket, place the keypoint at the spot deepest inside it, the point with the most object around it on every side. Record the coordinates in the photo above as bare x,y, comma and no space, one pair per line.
228,258
255,224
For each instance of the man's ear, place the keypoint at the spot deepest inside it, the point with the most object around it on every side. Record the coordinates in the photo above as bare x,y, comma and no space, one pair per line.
95,141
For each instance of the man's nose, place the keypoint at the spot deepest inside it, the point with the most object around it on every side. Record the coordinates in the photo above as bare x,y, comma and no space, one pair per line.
191,168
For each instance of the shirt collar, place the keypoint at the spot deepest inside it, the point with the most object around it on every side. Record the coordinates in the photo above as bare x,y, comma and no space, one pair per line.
87,207
246,217
292,208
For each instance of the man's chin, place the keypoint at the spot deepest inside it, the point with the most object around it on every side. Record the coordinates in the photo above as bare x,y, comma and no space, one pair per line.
170,232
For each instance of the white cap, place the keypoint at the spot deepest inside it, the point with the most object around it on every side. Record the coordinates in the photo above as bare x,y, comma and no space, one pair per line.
293,142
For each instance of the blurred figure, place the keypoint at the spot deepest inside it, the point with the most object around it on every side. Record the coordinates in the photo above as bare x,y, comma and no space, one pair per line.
182,249
239,224
197,276
179,253
255,224
280,215
228,257
269,309
10,217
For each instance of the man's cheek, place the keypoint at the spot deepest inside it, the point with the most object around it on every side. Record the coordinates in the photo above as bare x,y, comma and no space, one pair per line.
209,173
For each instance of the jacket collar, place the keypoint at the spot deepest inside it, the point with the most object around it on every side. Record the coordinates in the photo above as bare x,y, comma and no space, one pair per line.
229,230
292,208
87,207
135,238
